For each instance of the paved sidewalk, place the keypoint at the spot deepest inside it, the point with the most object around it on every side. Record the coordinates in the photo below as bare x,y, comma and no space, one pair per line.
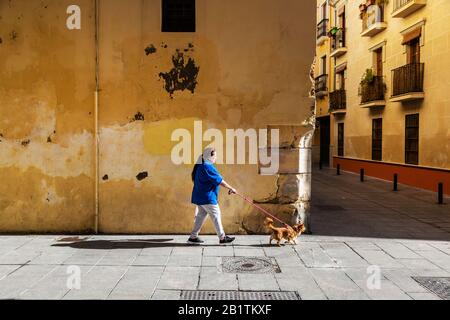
356,226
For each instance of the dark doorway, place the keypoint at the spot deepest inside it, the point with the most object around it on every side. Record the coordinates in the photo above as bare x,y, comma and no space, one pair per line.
324,127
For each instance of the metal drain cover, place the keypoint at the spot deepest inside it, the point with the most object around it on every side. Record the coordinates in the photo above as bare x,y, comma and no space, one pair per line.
249,265
439,286
238,295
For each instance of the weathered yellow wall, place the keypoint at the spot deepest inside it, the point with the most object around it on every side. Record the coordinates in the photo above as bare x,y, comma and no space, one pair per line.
254,58
47,82
434,110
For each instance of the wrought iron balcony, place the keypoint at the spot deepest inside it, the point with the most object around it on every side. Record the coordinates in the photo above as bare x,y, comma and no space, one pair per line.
321,85
407,81
322,28
373,92
338,101
338,45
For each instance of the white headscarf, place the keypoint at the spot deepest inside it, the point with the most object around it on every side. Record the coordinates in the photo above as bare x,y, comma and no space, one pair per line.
208,154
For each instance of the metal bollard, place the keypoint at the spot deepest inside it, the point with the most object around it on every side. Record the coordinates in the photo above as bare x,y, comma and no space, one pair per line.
440,193
338,169
361,175
395,182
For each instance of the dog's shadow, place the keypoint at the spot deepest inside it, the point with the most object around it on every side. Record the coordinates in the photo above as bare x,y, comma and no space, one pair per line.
140,244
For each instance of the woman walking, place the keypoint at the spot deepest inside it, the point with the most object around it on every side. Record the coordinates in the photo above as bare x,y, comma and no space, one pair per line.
207,182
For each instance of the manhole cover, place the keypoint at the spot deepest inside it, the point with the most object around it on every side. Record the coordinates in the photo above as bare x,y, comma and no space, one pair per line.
238,295
329,208
249,265
439,286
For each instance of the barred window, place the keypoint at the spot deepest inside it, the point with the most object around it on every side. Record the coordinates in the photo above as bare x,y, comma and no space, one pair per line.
412,139
178,15
377,139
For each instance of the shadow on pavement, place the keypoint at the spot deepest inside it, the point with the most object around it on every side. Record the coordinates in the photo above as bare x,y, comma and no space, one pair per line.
140,244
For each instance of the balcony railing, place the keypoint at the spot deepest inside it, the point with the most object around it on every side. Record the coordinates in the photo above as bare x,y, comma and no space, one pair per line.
338,41
321,83
407,79
400,3
373,91
403,8
338,100
322,28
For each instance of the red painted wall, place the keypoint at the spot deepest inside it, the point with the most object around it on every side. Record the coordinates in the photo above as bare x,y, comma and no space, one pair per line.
421,177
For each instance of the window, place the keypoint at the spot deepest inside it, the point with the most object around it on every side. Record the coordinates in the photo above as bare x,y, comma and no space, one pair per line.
377,139
413,51
379,61
323,65
178,15
412,139
324,10
340,79
340,139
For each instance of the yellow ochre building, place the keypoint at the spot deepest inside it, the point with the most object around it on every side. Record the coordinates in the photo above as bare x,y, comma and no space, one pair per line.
383,90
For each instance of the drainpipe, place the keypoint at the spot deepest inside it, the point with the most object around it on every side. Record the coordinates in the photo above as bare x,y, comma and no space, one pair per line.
305,179
306,161
96,95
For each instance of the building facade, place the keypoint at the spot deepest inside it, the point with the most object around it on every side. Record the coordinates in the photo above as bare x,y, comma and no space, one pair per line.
383,88
91,92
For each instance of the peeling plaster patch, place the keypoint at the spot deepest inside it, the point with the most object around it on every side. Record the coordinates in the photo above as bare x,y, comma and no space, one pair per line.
150,50
138,117
123,151
183,76
105,177
141,176
54,160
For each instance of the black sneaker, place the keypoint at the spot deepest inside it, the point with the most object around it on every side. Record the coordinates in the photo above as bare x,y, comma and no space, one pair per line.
227,239
195,241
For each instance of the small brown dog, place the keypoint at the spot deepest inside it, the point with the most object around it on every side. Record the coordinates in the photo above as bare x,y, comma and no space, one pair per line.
289,234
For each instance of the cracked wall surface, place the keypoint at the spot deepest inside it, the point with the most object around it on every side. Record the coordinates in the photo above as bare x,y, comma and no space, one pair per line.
253,72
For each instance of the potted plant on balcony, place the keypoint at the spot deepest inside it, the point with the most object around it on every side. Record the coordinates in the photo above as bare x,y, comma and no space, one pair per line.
367,77
333,32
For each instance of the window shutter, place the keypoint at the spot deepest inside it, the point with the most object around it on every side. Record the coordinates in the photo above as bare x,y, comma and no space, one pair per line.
416,33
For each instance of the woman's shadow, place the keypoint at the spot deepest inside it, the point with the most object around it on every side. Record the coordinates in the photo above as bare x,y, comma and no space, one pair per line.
79,243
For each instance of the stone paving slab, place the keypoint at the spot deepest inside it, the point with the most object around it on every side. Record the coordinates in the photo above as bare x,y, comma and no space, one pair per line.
212,279
337,285
138,283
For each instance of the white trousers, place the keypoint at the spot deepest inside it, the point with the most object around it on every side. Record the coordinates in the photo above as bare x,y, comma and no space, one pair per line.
201,212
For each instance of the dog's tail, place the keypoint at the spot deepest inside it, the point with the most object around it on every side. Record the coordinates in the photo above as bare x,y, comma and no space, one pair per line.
268,222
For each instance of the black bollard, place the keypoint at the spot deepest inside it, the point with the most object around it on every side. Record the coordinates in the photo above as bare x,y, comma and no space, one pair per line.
441,193
395,182
361,175
338,169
